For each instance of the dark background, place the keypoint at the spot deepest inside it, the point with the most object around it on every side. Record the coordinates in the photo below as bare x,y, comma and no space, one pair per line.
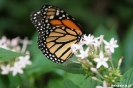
111,18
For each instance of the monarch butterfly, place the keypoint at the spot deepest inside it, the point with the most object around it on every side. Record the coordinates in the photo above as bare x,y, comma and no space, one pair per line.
57,31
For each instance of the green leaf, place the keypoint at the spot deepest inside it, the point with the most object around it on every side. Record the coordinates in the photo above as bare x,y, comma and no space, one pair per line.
4,81
127,78
82,81
56,82
128,48
14,81
72,68
7,54
69,84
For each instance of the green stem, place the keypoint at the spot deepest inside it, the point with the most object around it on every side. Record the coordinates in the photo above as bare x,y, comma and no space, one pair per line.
110,59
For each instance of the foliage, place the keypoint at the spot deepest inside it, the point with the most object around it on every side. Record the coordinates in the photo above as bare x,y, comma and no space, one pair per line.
69,84
111,18
127,79
7,54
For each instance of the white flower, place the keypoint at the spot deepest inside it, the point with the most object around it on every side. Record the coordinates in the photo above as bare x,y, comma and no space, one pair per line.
21,64
104,85
16,49
23,61
5,69
7,44
108,52
4,46
111,44
83,54
25,43
76,47
15,41
101,60
98,41
3,40
16,69
88,40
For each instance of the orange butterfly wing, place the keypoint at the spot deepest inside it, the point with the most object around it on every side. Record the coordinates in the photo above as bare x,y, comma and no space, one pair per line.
57,32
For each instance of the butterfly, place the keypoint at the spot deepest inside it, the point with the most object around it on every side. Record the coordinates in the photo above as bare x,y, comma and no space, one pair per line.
57,31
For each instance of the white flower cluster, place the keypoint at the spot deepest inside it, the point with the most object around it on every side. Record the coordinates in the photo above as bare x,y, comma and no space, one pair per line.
95,48
15,65
94,53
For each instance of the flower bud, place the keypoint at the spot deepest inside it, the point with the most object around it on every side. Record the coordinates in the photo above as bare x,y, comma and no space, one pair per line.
94,70
108,52
94,78
120,61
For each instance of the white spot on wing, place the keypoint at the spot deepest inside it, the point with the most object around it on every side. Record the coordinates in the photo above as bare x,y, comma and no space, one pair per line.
46,21
35,14
34,18
38,12
62,11
46,8
39,24
60,17
63,15
51,17
57,13
44,13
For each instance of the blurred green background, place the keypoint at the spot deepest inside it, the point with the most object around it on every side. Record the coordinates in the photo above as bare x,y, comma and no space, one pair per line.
111,18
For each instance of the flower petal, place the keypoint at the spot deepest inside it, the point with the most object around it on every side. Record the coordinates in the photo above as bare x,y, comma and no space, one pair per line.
105,65
99,65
